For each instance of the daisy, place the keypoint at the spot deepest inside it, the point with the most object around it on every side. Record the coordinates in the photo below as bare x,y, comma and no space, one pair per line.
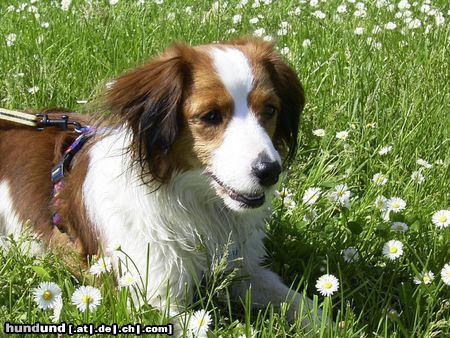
46,294
425,278
341,9
199,323
424,163
311,195
283,193
289,203
86,297
441,218
306,43
359,30
57,310
393,249
341,194
379,179
371,125
101,266
10,39
33,90
237,19
381,203
445,274
342,135
259,32
385,150
396,204
417,177
390,26
319,132
311,215
327,285
351,254
319,14
127,280
254,21
65,4
399,227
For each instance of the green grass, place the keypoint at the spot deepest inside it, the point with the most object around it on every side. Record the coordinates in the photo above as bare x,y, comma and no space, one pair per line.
401,85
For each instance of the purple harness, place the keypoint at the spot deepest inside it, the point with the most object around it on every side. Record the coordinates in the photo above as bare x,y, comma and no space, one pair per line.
62,166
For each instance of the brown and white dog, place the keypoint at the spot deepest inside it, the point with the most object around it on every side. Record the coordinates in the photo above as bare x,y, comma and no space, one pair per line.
187,163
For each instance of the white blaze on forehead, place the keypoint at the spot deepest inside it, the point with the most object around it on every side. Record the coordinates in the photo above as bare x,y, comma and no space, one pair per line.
234,70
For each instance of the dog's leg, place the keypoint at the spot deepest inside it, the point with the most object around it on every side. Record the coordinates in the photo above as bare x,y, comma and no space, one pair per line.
267,288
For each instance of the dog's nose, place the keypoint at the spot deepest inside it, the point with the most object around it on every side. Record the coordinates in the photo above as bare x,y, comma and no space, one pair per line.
266,170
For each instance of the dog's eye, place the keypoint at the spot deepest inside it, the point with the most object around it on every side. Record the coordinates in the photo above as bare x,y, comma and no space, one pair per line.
214,117
269,111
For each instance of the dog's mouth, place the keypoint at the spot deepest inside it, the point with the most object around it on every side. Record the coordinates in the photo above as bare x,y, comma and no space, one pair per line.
246,200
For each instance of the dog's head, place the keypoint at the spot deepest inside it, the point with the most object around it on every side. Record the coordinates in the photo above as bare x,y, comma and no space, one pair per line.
231,110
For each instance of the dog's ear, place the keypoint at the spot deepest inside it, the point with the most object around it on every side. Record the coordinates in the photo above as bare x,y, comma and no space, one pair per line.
291,93
150,100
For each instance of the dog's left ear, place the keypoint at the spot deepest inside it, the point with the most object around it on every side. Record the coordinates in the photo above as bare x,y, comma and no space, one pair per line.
291,93
150,100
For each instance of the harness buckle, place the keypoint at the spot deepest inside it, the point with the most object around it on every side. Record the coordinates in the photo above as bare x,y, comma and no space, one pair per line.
62,122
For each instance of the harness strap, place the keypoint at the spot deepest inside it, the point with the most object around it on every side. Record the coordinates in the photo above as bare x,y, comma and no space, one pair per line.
58,171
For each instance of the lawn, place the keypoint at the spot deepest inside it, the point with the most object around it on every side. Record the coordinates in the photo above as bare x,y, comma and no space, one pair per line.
359,202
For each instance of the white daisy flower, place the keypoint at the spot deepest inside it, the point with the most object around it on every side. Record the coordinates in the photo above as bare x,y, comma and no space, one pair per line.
385,150
65,4
101,266
86,297
327,285
341,195
425,278
311,215
306,43
342,135
424,163
289,203
351,254
417,177
199,323
390,26
10,39
113,2
259,32
381,202
393,249
319,132
445,274
379,179
399,227
237,19
319,14
415,23
285,50
283,193
396,204
46,294
359,30
441,218
341,9
360,13
127,280
57,310
33,90
311,195
254,20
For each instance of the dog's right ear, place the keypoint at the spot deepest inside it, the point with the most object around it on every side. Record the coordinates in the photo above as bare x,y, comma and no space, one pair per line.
150,100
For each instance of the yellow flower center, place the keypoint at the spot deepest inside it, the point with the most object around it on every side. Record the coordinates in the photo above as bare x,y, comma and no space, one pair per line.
448,274
395,205
103,265
87,299
327,285
47,295
425,278
443,218
201,322
130,279
393,249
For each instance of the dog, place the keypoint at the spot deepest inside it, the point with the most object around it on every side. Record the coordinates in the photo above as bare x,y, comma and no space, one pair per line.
184,166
